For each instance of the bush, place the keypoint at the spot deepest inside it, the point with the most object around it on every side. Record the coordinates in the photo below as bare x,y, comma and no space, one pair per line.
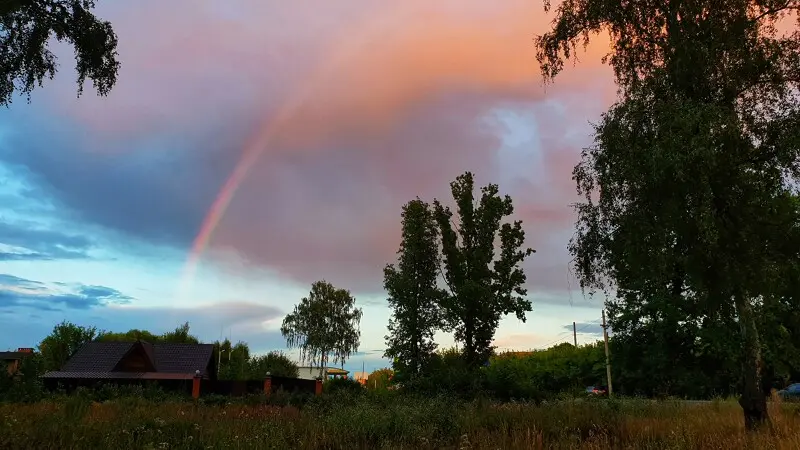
447,374
380,379
276,364
342,385
512,378
25,386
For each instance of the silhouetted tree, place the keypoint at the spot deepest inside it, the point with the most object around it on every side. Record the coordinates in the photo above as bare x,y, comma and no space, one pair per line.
26,29
482,288
414,296
688,190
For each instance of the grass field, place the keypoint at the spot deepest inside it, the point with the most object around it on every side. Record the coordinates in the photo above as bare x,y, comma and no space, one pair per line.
390,423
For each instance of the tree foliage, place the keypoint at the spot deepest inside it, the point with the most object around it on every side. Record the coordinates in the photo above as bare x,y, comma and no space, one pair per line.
26,27
543,373
180,335
688,189
128,336
414,294
324,325
483,286
65,339
274,363
380,379
233,359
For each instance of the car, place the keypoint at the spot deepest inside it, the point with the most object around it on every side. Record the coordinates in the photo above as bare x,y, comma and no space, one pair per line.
597,390
792,392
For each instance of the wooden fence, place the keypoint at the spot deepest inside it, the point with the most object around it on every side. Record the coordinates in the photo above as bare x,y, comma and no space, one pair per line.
197,386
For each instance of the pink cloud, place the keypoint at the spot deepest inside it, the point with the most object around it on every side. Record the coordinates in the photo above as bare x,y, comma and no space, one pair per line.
385,102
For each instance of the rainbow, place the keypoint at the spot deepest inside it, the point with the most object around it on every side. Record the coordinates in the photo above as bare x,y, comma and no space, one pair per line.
341,54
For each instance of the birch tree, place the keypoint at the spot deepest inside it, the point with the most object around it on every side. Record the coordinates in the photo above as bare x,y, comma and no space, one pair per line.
324,326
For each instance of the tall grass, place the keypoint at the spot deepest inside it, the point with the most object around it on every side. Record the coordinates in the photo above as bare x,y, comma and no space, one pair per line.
390,422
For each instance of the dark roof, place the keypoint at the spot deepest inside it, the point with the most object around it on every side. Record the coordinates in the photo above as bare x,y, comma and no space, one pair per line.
9,356
182,358
98,359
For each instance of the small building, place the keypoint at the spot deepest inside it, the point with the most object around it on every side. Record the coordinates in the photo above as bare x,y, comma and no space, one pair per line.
311,373
133,361
12,359
361,377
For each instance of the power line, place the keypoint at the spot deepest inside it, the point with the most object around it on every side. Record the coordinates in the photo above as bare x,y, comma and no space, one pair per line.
563,336
589,324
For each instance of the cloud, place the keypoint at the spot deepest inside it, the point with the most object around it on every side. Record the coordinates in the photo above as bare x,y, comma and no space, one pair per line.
520,341
29,229
26,240
101,292
11,280
250,322
246,321
359,108
16,292
587,328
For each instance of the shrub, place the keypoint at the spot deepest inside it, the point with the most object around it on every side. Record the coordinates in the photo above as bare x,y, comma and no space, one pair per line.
339,385
447,374
276,364
380,379
512,378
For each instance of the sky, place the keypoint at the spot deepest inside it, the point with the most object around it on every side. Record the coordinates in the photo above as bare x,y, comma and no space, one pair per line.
252,147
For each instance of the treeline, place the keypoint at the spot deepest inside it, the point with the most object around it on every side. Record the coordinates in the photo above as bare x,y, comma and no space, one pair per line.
640,367
235,360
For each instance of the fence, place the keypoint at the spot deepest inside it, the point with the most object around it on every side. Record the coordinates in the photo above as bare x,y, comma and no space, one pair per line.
198,386
70,384
243,387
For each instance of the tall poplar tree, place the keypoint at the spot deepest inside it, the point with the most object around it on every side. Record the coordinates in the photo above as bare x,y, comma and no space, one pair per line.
483,285
413,292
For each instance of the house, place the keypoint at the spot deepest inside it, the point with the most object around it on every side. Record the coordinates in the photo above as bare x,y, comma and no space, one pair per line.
311,373
12,359
361,377
117,361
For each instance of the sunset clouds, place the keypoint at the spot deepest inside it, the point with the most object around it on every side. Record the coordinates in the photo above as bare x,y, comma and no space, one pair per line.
356,107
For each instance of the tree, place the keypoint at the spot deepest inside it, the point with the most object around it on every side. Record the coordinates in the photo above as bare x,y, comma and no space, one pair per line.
661,347
380,379
688,188
179,336
324,326
276,364
236,364
482,289
128,336
413,292
65,339
26,27
233,359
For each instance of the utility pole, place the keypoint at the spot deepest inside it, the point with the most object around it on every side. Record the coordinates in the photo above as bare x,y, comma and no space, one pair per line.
608,356
219,358
574,334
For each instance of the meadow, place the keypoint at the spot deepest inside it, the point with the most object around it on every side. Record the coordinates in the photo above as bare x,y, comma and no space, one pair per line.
387,421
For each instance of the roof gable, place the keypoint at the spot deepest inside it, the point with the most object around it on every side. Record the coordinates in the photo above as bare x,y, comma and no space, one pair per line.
97,357
167,358
139,358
